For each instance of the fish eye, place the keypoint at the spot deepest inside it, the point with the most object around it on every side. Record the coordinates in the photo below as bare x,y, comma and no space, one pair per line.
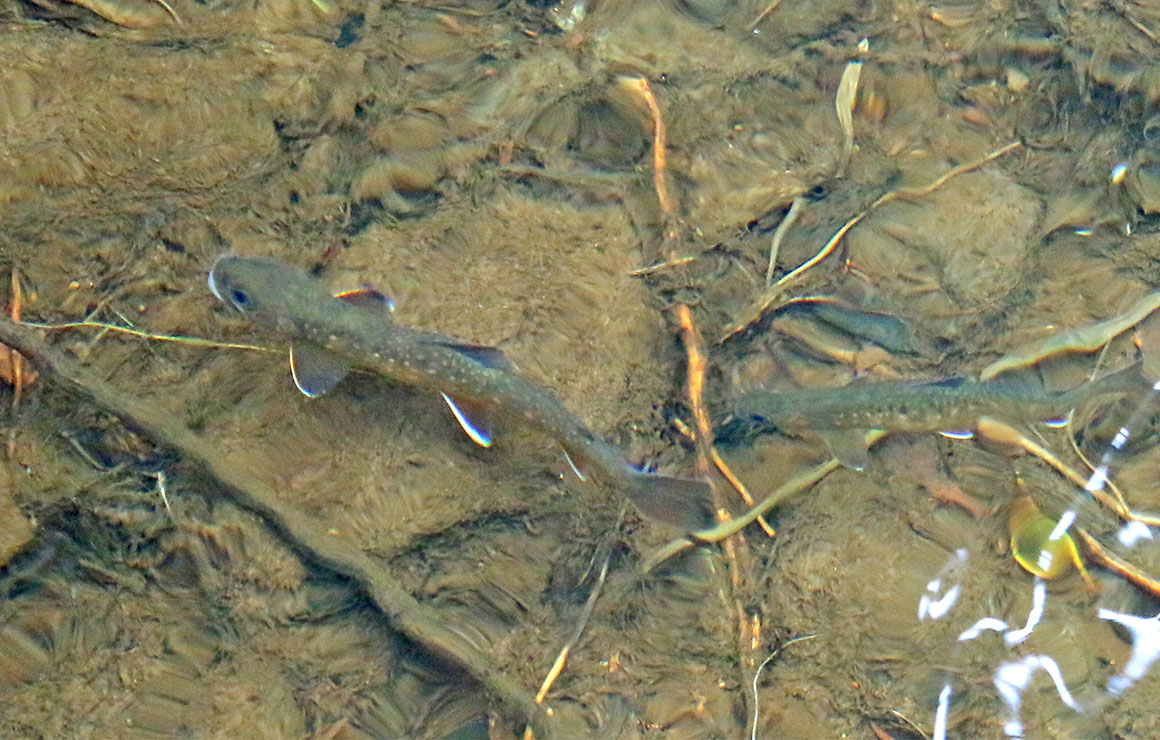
239,298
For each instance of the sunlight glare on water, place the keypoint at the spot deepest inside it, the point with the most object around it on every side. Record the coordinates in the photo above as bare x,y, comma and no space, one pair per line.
1012,678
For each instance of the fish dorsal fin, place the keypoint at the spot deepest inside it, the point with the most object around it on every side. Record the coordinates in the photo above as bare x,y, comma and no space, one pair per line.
848,446
490,357
315,370
479,432
368,298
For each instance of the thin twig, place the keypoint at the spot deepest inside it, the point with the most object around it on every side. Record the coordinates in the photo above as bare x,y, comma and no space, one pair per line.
17,362
1109,560
657,267
771,294
640,87
742,490
703,435
764,14
104,327
775,246
757,675
581,623
794,485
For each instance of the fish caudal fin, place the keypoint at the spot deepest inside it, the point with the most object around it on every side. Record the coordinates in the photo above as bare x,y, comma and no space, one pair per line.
683,503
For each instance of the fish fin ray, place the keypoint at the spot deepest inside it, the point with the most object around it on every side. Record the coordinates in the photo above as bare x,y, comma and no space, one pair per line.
315,371
479,433
486,355
579,473
958,433
368,298
848,446
684,503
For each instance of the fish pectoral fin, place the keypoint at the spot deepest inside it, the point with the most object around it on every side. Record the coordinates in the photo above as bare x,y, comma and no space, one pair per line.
479,431
848,446
315,370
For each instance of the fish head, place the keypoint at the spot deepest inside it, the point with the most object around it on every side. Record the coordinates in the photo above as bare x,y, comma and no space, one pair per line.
266,291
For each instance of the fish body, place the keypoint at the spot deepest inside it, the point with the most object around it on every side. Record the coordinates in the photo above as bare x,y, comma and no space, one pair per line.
924,407
331,335
953,408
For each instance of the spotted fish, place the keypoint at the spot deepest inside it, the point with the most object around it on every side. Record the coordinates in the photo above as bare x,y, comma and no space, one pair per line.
842,415
331,335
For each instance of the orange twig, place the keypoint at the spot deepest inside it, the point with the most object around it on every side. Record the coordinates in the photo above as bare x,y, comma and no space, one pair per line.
1130,573
15,358
736,550
660,169
695,348
640,87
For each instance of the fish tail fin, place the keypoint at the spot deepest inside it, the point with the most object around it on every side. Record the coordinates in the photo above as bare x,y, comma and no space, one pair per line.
1127,381
683,503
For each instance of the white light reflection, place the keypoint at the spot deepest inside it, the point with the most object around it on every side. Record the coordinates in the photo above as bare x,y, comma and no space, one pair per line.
1038,600
937,608
1012,679
1145,648
932,605
1012,637
940,715
1132,532
986,623
1063,525
936,604
1098,479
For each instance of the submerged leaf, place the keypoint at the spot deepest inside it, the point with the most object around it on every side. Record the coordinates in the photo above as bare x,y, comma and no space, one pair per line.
1083,339
1032,545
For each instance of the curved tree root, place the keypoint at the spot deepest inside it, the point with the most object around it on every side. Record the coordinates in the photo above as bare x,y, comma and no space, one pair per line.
417,621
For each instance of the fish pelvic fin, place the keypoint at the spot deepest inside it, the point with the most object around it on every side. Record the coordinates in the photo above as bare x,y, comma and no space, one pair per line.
682,503
848,446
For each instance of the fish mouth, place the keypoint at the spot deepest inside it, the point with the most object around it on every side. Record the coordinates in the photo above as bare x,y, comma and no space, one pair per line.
212,280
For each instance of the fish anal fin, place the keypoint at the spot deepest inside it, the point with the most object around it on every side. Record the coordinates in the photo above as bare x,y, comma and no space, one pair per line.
848,446
473,418
315,370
